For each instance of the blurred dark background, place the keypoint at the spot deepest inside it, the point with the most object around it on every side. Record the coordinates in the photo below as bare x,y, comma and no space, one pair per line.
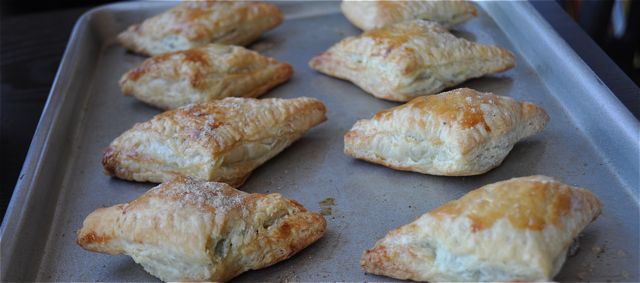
33,37
18,7
615,26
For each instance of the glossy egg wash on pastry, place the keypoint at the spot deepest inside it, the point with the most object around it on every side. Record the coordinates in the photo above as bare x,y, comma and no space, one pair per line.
409,59
219,141
196,23
456,133
368,15
187,230
206,73
517,230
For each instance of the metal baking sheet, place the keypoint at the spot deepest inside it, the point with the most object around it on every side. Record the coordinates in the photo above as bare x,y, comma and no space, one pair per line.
591,141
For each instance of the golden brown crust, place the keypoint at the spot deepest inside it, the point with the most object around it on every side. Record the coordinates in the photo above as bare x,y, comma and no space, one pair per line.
196,23
409,59
368,15
110,161
456,133
515,230
195,56
220,141
527,205
186,230
202,74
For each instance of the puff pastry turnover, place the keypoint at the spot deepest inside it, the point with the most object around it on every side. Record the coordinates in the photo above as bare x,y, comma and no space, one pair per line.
512,231
409,59
203,74
368,15
188,230
220,141
456,133
195,23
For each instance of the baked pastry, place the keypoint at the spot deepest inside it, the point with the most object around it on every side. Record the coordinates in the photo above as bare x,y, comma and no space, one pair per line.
517,230
219,141
187,230
368,15
196,23
409,59
201,74
456,133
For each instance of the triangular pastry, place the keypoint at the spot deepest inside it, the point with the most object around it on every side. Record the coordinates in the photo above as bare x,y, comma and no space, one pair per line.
201,74
456,133
409,59
517,230
187,230
195,23
220,141
368,15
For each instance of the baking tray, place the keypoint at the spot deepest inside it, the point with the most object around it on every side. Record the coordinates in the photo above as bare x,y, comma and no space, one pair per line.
591,141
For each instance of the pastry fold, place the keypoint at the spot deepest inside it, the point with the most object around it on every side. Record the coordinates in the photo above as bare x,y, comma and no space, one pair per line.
222,141
517,230
456,133
203,74
187,230
368,15
409,59
196,23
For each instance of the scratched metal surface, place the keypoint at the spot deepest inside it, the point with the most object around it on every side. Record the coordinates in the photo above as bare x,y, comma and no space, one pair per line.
590,142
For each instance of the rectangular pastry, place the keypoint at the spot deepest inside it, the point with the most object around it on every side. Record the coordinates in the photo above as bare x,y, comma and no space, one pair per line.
196,23
409,59
372,14
219,141
517,230
187,230
456,133
202,74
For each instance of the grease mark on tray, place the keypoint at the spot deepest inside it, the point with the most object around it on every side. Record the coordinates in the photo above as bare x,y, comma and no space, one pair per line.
326,206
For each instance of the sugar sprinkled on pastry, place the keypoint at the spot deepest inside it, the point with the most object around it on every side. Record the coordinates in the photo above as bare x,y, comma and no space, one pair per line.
368,15
187,230
220,141
456,133
409,59
202,74
512,231
196,23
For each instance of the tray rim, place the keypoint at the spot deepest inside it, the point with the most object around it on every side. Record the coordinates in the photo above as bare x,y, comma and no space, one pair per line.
23,190
39,147
624,123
